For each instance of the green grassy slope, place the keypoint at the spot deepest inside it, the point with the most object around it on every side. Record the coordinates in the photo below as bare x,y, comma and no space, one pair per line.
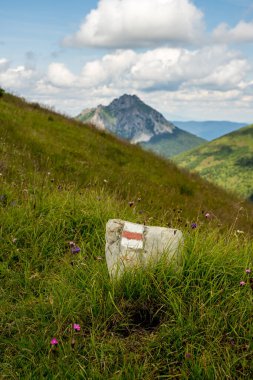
227,161
196,324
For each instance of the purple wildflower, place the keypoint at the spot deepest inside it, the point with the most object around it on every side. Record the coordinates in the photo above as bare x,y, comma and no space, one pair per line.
75,249
242,283
54,342
188,355
194,225
76,327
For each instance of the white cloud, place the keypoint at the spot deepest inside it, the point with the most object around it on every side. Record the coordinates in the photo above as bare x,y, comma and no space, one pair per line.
241,33
43,86
15,78
131,23
110,68
59,75
211,82
166,69
202,104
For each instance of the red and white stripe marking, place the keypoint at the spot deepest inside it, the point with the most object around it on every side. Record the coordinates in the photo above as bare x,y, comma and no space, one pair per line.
132,236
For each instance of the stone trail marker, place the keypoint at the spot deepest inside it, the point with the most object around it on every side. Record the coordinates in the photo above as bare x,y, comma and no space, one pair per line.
130,245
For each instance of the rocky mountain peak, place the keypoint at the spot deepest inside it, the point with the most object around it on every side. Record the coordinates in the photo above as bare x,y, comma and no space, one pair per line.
126,99
131,119
125,103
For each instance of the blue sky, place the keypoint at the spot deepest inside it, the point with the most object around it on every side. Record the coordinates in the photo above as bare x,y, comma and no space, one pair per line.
188,59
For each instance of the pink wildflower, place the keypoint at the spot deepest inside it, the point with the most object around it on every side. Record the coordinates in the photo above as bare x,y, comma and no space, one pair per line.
54,342
248,271
76,327
242,283
207,215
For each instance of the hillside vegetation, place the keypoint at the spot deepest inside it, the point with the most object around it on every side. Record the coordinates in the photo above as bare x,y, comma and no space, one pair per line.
169,145
227,161
60,182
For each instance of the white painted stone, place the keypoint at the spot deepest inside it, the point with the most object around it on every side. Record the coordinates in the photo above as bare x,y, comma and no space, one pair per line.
131,245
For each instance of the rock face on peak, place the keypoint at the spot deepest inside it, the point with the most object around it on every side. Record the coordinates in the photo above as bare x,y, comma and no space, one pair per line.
136,121
130,118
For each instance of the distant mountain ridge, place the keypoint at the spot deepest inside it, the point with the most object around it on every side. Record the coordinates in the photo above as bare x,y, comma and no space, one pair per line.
131,119
210,129
226,161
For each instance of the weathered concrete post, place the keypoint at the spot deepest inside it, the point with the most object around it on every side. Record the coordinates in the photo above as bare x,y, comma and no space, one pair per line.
131,245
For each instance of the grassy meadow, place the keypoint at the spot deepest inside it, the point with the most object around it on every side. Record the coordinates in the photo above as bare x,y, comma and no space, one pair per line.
60,182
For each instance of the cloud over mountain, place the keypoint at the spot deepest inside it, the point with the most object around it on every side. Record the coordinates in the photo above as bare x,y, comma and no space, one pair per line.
131,23
163,68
